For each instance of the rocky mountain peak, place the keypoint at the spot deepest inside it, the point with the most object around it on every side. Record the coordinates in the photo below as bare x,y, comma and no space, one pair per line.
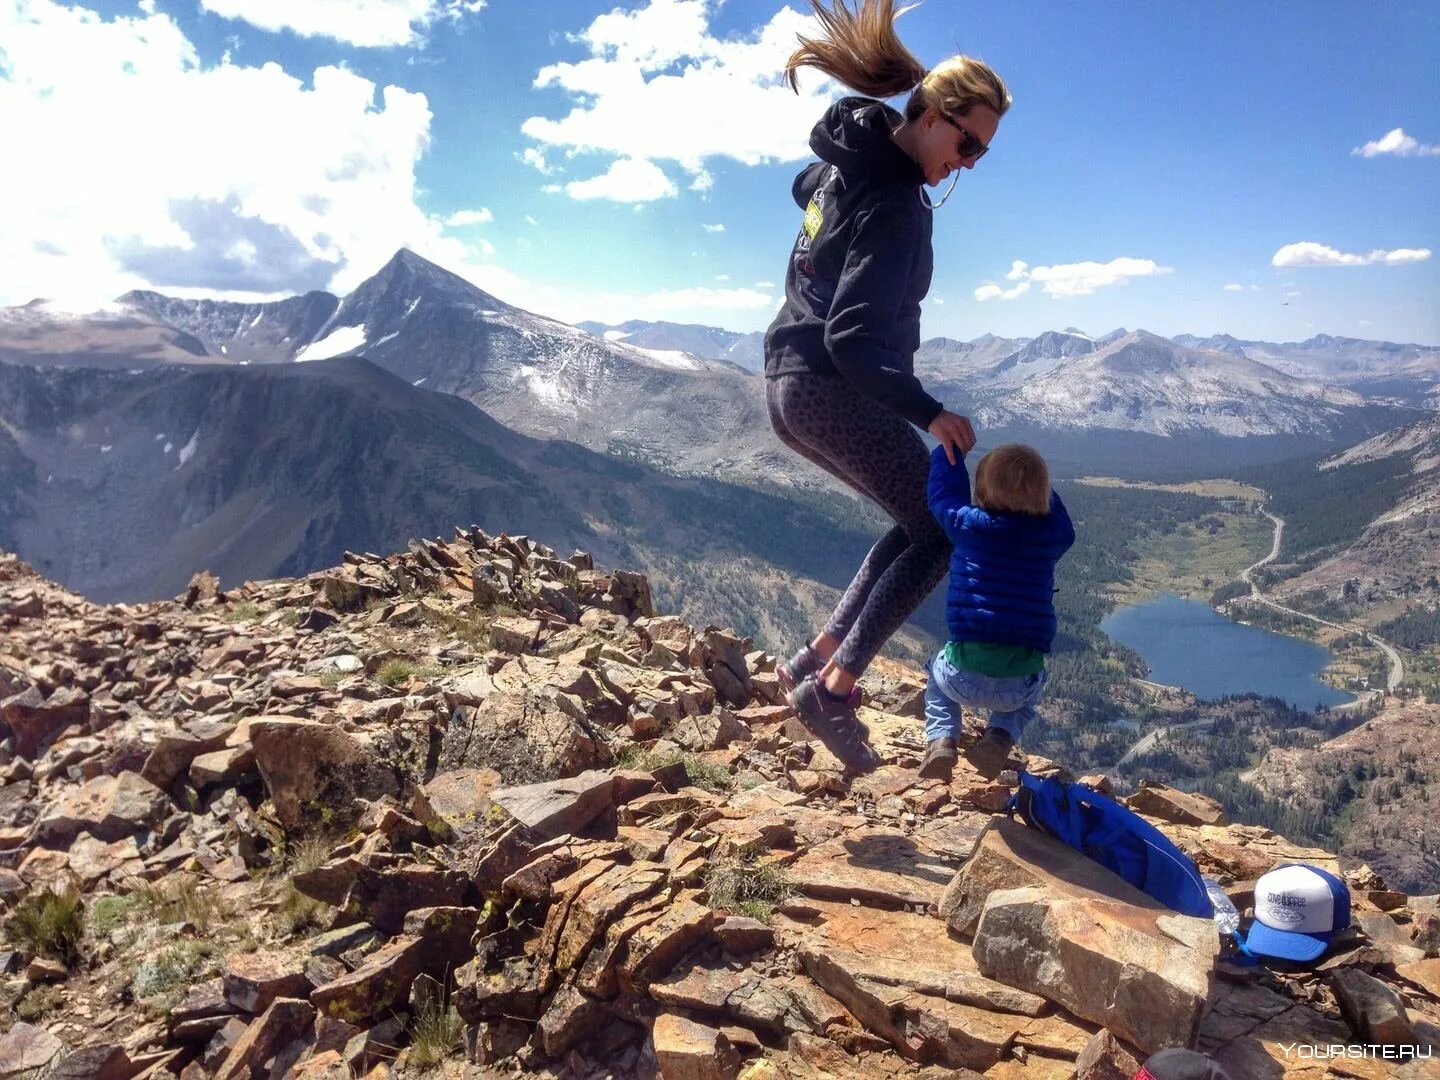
407,277
479,775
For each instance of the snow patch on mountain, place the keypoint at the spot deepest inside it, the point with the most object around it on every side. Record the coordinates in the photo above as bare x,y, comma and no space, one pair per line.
343,340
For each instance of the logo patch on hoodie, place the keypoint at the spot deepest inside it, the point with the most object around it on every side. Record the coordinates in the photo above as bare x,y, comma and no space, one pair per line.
814,218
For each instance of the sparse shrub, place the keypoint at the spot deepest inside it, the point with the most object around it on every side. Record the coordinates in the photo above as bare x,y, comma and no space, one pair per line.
49,923
175,966
333,677
435,1030
395,671
296,911
181,899
39,1002
245,611
702,774
740,884
109,913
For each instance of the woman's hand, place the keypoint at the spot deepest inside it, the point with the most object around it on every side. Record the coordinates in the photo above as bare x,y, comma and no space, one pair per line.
954,433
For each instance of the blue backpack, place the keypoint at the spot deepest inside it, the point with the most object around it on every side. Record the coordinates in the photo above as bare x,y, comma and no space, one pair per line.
1115,837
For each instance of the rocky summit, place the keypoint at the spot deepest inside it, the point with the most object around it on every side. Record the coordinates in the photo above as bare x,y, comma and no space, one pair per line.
476,809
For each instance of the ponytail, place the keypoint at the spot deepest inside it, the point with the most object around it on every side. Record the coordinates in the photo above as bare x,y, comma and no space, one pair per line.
860,49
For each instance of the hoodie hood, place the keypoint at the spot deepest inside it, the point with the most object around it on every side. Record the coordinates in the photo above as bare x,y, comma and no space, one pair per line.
854,135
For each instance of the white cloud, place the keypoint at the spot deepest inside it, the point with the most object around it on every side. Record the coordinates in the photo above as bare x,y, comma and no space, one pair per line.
1232,287
1309,253
355,22
701,96
722,277
1396,142
1070,279
323,194
764,285
938,300
462,218
536,160
713,228
628,180
530,220
991,291
1083,278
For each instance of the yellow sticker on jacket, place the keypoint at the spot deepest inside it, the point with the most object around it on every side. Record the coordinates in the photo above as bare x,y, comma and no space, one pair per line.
814,218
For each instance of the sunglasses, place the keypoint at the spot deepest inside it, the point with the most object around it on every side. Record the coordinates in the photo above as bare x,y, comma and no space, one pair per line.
970,145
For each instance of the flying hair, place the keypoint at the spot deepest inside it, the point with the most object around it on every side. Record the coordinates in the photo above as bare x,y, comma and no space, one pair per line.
860,49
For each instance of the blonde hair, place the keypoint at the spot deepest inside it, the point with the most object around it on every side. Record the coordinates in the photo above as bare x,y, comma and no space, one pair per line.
1013,477
860,49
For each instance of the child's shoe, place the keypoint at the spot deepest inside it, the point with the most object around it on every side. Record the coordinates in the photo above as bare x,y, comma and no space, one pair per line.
940,758
991,754
833,721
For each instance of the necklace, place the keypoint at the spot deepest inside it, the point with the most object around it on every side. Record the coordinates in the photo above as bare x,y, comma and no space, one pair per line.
925,195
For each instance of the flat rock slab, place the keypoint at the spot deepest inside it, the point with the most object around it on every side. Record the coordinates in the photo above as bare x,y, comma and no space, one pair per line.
311,768
457,801
26,1047
1171,804
685,1050
381,983
1011,855
109,808
1144,973
905,950
558,806
879,867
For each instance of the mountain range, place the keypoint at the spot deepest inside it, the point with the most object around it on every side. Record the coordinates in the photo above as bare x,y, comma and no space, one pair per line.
166,434
125,484
686,398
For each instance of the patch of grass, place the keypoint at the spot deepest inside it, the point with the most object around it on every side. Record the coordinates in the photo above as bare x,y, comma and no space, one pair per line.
333,677
176,965
435,1031
39,1003
702,774
49,923
395,671
289,617
739,884
296,911
245,611
181,899
109,913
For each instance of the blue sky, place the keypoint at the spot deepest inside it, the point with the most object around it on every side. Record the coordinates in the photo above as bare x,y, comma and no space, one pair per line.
1155,155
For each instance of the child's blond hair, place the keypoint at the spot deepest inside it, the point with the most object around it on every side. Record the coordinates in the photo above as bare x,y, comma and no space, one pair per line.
1013,477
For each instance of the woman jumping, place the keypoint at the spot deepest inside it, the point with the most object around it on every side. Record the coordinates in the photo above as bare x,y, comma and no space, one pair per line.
839,357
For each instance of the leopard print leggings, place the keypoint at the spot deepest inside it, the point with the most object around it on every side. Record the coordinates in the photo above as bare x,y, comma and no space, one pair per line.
882,457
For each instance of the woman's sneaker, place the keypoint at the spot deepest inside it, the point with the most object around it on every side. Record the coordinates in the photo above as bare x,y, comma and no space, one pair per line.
833,721
800,667
940,758
991,753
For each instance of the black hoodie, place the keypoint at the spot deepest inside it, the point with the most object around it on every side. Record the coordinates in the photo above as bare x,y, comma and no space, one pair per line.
861,264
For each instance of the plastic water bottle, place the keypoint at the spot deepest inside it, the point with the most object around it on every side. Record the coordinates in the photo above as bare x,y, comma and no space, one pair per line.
1227,919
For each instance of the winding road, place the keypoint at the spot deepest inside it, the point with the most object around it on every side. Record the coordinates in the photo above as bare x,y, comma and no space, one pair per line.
1397,666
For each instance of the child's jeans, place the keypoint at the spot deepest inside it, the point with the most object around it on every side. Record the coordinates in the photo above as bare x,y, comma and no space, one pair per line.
1010,699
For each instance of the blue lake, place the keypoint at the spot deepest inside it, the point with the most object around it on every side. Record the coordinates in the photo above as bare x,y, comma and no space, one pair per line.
1187,643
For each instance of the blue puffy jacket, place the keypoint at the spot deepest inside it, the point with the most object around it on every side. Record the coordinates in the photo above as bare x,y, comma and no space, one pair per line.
1002,569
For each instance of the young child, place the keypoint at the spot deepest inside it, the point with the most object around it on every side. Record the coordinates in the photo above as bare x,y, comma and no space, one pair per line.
999,608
